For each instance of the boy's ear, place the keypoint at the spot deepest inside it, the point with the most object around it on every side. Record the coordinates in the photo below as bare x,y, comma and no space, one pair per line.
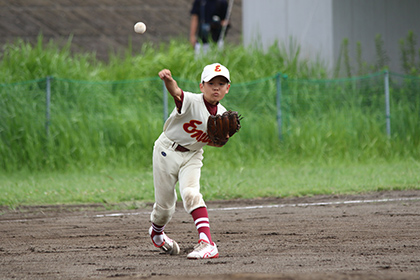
202,87
228,87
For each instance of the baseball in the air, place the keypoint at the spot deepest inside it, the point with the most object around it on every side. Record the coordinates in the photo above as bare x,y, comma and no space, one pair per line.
140,27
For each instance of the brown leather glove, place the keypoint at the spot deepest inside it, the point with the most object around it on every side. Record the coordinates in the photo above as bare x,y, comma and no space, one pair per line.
221,127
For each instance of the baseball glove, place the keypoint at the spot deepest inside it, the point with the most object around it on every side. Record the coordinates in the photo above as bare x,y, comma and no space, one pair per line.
221,127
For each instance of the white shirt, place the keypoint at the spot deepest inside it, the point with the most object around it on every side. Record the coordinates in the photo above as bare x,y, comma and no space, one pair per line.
189,127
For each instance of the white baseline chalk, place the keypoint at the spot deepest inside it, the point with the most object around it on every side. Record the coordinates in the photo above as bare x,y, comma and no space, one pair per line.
280,206
250,207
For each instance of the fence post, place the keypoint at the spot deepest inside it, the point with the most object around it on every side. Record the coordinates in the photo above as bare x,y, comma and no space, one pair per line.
387,105
47,106
165,103
278,102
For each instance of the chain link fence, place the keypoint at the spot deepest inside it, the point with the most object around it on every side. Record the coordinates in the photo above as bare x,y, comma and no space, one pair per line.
42,118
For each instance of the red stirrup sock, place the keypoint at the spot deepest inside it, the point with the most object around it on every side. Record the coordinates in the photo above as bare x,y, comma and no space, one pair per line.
157,234
201,220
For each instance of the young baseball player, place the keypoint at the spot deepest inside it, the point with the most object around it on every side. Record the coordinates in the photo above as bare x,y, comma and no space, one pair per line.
178,155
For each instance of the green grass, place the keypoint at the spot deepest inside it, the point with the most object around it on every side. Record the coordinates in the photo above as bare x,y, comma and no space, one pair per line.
105,187
105,116
259,179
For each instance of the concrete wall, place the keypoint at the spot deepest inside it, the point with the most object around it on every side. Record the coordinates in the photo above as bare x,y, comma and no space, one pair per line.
319,26
305,22
361,20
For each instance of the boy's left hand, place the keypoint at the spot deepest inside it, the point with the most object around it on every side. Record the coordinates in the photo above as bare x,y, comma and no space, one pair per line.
221,127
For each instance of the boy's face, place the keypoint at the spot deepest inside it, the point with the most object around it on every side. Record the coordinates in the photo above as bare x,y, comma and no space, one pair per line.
215,89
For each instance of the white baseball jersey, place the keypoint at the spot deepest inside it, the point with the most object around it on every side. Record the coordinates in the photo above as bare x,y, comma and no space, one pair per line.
189,127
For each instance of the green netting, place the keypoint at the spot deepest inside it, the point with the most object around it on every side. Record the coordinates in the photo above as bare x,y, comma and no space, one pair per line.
87,123
405,107
22,122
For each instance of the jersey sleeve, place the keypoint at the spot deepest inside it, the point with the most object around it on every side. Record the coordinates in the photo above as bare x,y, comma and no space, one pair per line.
186,102
178,103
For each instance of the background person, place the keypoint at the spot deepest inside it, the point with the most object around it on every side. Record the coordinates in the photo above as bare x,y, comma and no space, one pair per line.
207,19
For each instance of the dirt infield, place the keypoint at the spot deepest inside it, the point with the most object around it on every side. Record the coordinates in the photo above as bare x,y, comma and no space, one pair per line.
374,236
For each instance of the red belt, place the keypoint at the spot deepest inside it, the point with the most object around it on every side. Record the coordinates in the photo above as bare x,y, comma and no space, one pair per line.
180,148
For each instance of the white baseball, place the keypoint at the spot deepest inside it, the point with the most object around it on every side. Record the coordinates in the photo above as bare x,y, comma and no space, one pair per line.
140,27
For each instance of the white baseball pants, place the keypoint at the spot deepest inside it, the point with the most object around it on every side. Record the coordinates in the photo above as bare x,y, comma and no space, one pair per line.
169,167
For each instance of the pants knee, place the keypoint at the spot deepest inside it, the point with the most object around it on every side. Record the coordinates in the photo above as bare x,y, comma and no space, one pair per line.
192,199
161,216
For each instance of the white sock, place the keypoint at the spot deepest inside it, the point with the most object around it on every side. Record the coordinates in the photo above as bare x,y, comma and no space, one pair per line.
158,239
204,237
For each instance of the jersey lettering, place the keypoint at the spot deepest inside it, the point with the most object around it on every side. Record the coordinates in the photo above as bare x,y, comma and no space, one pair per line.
199,135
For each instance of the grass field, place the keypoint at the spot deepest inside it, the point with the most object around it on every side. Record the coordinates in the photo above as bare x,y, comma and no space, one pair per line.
99,143
128,188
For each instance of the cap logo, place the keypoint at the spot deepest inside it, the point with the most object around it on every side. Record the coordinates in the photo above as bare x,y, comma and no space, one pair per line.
212,70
